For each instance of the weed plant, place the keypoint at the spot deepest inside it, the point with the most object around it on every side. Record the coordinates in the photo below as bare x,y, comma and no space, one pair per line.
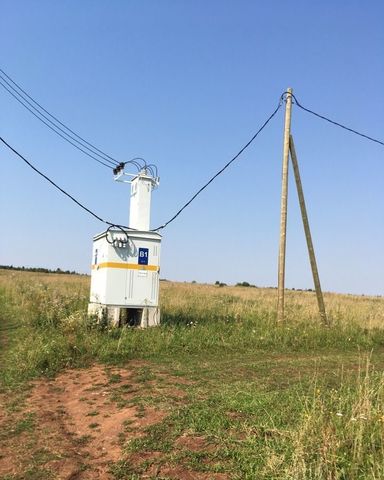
54,331
293,401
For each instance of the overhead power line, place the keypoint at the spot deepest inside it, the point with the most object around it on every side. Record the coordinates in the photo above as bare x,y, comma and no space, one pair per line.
253,138
58,133
123,227
61,189
333,122
221,170
52,122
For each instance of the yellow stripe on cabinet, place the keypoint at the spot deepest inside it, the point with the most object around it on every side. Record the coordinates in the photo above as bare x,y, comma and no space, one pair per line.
128,266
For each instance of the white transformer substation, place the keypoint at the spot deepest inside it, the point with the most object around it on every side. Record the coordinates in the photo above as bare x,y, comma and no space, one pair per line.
126,264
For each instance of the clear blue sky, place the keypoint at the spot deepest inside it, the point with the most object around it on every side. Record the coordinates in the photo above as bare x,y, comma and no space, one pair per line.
185,84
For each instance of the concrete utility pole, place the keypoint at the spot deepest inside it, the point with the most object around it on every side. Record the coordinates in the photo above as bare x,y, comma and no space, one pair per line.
283,209
304,216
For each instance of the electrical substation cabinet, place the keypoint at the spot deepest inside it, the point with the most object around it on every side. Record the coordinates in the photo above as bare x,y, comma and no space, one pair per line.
125,277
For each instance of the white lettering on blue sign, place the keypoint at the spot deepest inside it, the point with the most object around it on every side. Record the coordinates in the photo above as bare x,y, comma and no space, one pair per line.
143,256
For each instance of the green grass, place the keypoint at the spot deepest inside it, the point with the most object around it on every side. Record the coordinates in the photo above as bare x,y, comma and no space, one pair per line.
53,332
94,413
293,401
94,425
45,350
305,429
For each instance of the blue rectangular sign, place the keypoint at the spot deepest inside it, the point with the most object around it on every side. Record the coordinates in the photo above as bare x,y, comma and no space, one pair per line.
143,256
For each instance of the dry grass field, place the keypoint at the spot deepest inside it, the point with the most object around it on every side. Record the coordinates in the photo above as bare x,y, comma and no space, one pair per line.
218,391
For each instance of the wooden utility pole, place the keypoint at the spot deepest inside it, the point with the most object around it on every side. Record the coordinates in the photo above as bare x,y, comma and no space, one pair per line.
283,209
304,216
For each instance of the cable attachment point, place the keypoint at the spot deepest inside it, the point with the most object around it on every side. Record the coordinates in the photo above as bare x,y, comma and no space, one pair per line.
119,168
284,96
117,241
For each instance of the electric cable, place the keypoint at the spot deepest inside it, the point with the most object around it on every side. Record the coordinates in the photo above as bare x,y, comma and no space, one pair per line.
113,242
121,227
21,98
153,168
58,133
124,227
95,150
222,169
380,142
134,162
137,160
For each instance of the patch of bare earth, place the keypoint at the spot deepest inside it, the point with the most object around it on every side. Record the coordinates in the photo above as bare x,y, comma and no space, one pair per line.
181,473
83,418
78,424
160,467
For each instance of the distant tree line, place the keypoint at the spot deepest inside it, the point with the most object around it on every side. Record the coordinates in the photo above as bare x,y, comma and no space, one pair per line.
39,270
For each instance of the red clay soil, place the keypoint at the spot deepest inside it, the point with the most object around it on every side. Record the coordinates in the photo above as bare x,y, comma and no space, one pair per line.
180,473
194,443
77,420
80,428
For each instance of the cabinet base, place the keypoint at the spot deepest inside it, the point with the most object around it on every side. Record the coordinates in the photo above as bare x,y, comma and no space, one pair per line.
125,316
